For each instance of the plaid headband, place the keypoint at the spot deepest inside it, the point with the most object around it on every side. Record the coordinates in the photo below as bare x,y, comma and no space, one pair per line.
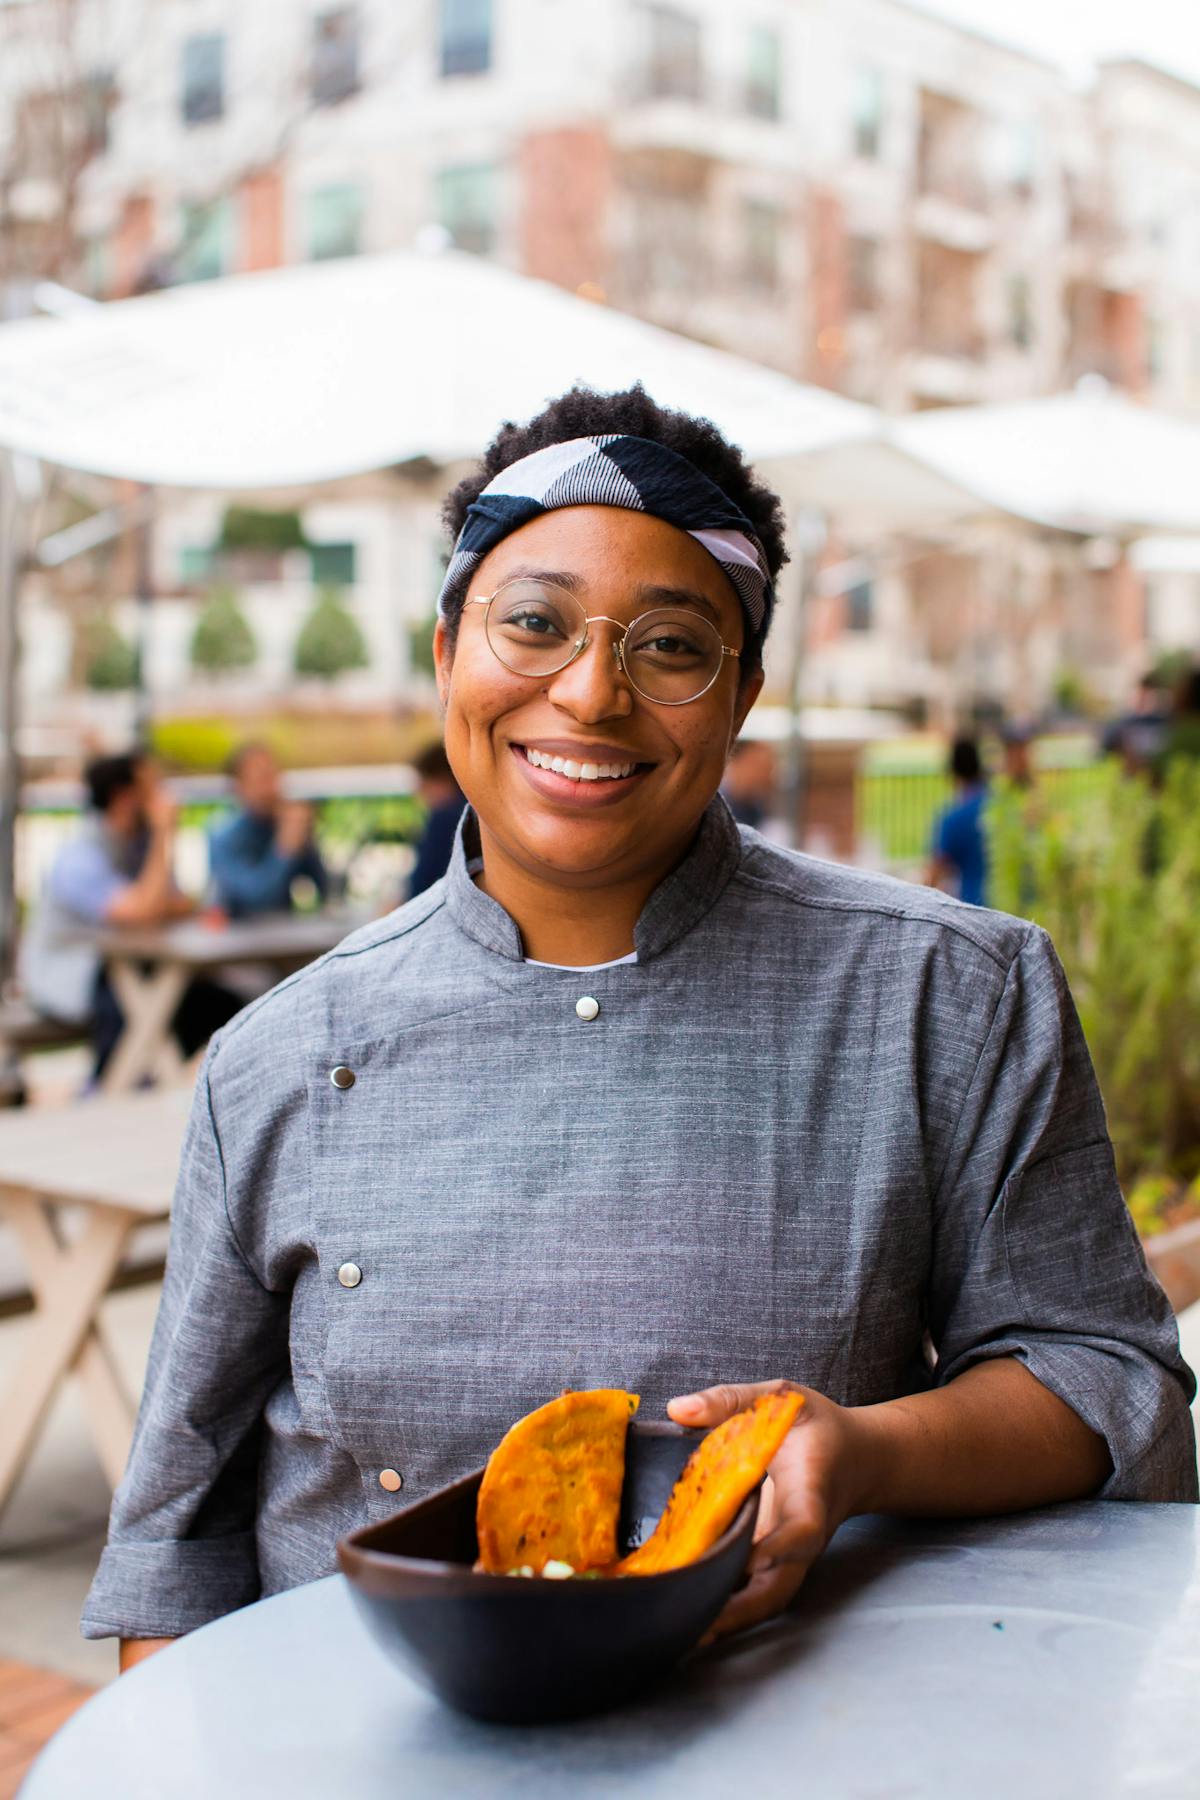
615,471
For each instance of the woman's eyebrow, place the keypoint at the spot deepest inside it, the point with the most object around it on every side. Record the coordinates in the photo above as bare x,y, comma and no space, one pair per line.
562,578
673,596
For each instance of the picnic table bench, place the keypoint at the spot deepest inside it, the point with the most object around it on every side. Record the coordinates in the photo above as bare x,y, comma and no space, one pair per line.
114,1160
23,1029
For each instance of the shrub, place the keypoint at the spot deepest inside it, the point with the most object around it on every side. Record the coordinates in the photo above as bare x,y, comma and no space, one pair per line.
197,746
251,528
110,661
1115,880
330,641
420,646
223,639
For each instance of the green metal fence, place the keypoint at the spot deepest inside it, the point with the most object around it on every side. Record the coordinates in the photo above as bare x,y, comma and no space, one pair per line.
899,796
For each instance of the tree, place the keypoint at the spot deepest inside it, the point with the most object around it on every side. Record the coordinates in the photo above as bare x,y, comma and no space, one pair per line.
330,640
110,662
223,639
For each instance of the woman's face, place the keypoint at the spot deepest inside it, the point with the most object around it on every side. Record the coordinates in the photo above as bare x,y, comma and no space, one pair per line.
578,833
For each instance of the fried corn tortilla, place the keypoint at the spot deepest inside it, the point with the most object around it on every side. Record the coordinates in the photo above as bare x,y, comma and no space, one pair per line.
725,1466
551,1491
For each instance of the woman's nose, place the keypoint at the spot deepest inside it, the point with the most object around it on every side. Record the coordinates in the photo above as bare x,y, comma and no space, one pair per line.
594,686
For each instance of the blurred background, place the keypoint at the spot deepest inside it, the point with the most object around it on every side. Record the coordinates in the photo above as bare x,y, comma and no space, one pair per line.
961,218
936,268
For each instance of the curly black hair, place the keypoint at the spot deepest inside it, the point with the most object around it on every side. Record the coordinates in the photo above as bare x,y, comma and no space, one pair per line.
582,412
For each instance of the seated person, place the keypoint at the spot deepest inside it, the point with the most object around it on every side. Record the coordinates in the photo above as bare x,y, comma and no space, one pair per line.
259,853
437,787
117,871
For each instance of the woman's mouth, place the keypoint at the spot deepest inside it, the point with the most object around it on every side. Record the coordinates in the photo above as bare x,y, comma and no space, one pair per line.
588,782
580,771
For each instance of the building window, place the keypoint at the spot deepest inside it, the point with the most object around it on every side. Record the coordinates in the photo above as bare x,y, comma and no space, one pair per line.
1022,156
98,266
333,565
204,247
763,234
203,78
466,202
1020,314
466,37
673,62
765,73
862,274
860,606
867,112
335,56
99,98
334,217
197,563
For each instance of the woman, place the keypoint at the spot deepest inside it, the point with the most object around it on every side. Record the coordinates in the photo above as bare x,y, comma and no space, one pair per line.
633,1098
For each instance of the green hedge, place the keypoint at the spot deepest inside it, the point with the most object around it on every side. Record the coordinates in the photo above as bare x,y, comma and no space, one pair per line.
1114,876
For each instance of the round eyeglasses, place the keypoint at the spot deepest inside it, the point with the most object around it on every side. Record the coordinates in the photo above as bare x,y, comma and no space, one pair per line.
670,655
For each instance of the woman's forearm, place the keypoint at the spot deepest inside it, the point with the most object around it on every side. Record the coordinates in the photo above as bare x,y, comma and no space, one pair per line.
993,1440
136,1650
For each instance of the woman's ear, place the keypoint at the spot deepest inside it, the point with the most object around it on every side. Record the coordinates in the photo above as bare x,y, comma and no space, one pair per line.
443,658
748,693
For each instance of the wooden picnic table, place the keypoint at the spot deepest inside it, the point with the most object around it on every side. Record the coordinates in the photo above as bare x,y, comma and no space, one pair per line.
116,1160
150,968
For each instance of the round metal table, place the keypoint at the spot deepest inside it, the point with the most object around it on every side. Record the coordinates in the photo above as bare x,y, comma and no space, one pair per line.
1046,1656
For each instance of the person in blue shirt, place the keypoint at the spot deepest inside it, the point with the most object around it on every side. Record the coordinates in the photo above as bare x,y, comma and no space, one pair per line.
117,871
958,863
443,796
260,852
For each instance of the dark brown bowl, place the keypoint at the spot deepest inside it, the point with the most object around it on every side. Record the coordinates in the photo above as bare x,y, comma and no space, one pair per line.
525,1651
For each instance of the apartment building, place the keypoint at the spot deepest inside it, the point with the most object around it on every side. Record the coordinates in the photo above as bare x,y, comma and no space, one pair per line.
854,191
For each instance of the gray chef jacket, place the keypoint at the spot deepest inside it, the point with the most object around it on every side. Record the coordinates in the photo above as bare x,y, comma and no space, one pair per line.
824,1122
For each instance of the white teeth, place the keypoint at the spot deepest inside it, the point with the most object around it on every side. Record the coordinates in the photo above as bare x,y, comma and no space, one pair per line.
574,771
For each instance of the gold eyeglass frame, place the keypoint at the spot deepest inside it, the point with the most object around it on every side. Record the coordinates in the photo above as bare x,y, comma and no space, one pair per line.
618,645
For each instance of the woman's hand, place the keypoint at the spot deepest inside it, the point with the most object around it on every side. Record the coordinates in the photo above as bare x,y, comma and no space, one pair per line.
813,1485
993,1440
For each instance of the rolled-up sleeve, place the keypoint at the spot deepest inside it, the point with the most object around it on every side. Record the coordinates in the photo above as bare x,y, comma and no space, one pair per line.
181,1544
1035,1254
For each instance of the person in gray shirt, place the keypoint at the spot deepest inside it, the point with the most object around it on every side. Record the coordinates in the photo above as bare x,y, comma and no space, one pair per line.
634,1098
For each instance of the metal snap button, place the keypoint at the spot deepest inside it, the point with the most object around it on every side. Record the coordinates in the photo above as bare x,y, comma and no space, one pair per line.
342,1077
391,1479
349,1274
587,1008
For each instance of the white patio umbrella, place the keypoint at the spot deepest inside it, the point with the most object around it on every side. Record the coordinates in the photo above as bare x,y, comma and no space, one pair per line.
1089,461
311,373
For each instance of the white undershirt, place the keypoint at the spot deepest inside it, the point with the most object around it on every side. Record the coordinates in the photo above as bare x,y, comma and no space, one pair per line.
583,968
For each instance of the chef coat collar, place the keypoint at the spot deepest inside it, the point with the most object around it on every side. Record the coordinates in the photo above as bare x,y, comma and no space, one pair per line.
677,904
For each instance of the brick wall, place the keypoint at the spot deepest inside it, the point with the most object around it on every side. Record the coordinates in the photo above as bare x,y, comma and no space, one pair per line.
261,197
566,185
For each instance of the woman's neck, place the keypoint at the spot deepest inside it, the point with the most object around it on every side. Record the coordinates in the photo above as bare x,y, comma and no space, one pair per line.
572,926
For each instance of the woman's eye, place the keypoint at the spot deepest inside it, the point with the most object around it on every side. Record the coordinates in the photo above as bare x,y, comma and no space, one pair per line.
534,624
668,645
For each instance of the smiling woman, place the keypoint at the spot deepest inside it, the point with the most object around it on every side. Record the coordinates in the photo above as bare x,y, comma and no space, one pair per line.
635,1099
